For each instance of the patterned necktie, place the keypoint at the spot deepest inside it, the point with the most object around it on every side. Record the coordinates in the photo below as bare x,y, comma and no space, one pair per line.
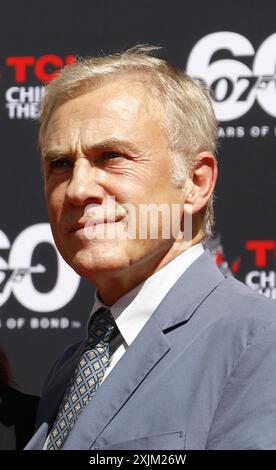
87,377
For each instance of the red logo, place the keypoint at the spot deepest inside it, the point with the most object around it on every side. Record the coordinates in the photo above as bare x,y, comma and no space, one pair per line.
261,248
39,66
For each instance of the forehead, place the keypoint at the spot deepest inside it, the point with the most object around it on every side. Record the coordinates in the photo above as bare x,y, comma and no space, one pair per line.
119,109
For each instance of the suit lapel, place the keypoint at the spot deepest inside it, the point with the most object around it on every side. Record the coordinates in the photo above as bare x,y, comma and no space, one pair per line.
49,404
191,289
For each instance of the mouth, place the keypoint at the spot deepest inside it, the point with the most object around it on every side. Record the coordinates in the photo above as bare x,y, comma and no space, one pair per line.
92,223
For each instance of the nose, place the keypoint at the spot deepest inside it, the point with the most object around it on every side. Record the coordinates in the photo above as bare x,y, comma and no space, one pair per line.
83,186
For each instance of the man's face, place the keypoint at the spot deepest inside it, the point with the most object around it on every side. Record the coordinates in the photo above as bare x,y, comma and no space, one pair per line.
107,143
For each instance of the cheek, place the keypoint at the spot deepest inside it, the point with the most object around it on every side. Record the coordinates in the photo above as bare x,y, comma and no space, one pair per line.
133,189
54,199
134,180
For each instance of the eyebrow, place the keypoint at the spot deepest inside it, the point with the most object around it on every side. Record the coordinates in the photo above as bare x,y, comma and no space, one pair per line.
51,154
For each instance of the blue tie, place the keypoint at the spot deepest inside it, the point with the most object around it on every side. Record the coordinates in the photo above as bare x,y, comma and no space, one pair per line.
87,377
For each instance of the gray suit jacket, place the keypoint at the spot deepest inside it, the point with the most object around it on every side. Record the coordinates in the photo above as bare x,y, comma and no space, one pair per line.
200,375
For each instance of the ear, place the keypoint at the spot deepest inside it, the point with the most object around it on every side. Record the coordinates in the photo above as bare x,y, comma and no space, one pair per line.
202,181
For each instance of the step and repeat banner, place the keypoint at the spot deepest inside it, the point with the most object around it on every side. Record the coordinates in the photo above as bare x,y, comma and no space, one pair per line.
44,305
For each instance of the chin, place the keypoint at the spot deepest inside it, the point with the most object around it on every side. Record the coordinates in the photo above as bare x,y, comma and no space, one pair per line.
89,265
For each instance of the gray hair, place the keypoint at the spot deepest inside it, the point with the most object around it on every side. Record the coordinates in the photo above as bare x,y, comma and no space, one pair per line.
188,117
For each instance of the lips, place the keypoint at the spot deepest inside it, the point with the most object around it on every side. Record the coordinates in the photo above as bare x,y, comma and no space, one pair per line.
91,222
88,222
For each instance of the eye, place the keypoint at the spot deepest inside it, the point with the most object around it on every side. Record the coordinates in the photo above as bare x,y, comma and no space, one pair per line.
109,155
62,163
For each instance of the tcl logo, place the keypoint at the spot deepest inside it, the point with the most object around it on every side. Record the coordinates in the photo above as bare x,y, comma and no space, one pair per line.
261,248
44,68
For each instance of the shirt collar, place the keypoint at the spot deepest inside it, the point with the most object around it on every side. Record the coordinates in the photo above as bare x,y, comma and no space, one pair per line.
133,309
